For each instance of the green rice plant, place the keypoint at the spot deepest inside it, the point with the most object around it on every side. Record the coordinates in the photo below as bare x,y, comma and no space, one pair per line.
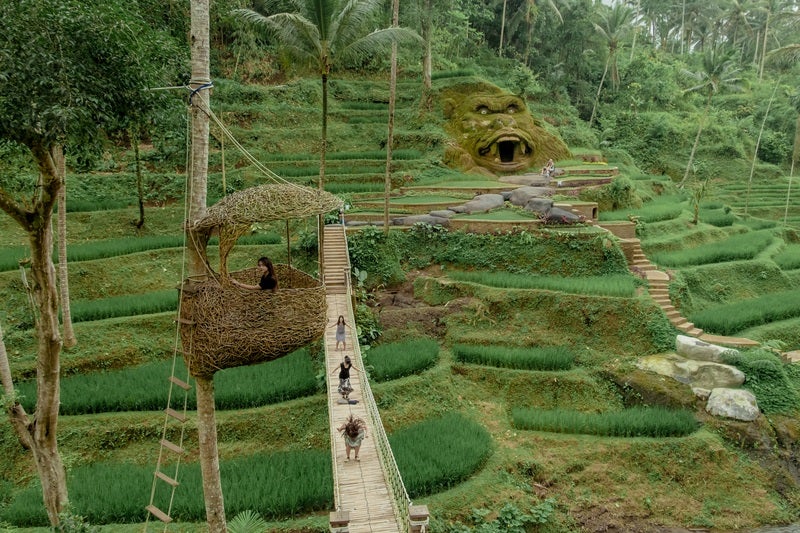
277,485
663,208
145,387
789,257
767,379
736,248
717,217
656,422
347,188
456,73
365,106
619,285
127,305
102,249
85,206
398,359
439,453
732,318
542,358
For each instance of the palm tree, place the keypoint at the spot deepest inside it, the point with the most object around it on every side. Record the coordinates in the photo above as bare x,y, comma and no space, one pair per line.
319,33
614,25
390,137
718,73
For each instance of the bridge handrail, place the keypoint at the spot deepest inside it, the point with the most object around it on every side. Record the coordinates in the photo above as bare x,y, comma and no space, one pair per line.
400,497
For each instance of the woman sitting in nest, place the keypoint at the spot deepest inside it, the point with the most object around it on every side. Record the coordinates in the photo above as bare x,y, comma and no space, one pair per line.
268,280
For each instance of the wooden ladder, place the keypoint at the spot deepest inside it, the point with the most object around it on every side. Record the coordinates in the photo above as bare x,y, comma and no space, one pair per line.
174,414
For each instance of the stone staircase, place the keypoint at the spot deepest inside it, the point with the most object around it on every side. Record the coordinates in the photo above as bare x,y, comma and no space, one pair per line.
337,264
658,286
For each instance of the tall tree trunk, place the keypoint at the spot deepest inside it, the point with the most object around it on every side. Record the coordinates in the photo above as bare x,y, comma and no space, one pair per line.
502,29
758,144
387,187
696,143
764,48
206,417
683,24
599,89
795,159
139,185
635,28
322,156
427,57
63,266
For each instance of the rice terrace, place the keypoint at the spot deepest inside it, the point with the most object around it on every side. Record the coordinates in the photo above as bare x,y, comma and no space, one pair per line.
442,266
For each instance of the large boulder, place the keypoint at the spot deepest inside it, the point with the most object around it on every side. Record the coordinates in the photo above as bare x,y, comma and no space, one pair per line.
443,213
522,195
556,215
539,205
692,348
697,374
483,203
739,404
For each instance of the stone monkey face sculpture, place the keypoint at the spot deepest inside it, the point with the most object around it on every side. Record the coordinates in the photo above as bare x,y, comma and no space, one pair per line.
496,134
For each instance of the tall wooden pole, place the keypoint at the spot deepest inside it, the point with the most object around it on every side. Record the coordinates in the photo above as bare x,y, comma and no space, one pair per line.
200,84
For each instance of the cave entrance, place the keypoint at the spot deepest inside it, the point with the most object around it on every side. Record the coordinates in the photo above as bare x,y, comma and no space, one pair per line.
506,151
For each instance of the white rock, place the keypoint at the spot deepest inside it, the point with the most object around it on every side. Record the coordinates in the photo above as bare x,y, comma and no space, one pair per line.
698,350
739,404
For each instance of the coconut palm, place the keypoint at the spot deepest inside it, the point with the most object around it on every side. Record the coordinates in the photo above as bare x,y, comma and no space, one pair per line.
320,33
615,23
718,73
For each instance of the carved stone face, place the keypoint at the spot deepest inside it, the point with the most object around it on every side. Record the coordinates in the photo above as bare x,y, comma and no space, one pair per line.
495,133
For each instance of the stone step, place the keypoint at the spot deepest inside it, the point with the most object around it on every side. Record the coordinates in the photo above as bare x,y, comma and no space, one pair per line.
695,332
680,322
672,313
658,291
663,302
688,326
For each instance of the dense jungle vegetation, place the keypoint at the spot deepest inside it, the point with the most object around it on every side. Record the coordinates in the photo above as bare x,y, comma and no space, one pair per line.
503,363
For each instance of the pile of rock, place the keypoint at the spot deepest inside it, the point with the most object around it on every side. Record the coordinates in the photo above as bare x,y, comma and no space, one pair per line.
699,365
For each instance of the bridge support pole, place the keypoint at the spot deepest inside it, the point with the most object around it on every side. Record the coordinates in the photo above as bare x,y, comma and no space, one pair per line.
418,518
340,522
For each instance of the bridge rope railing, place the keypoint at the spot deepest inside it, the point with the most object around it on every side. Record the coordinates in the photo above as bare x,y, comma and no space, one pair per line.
397,488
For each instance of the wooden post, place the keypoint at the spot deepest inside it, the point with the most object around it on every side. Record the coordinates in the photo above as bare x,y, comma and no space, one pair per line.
418,518
340,522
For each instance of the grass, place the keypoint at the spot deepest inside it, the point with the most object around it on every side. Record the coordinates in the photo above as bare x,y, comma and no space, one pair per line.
544,358
665,208
732,318
775,385
276,485
736,248
618,285
439,453
145,387
501,215
656,422
398,359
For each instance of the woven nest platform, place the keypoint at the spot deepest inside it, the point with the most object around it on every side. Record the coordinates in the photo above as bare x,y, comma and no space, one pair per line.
233,327
234,215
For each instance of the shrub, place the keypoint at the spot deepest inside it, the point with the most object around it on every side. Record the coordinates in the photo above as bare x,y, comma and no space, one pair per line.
398,359
767,379
620,285
144,388
439,453
731,318
545,358
634,422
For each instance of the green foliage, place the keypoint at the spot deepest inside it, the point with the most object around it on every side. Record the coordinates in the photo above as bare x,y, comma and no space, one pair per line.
372,251
510,519
736,248
544,358
398,359
732,318
439,453
767,378
275,485
367,324
544,252
71,523
717,217
247,522
131,389
126,305
619,285
656,422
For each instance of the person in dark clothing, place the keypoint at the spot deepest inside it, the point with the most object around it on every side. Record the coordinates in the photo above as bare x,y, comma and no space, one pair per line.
344,377
268,281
